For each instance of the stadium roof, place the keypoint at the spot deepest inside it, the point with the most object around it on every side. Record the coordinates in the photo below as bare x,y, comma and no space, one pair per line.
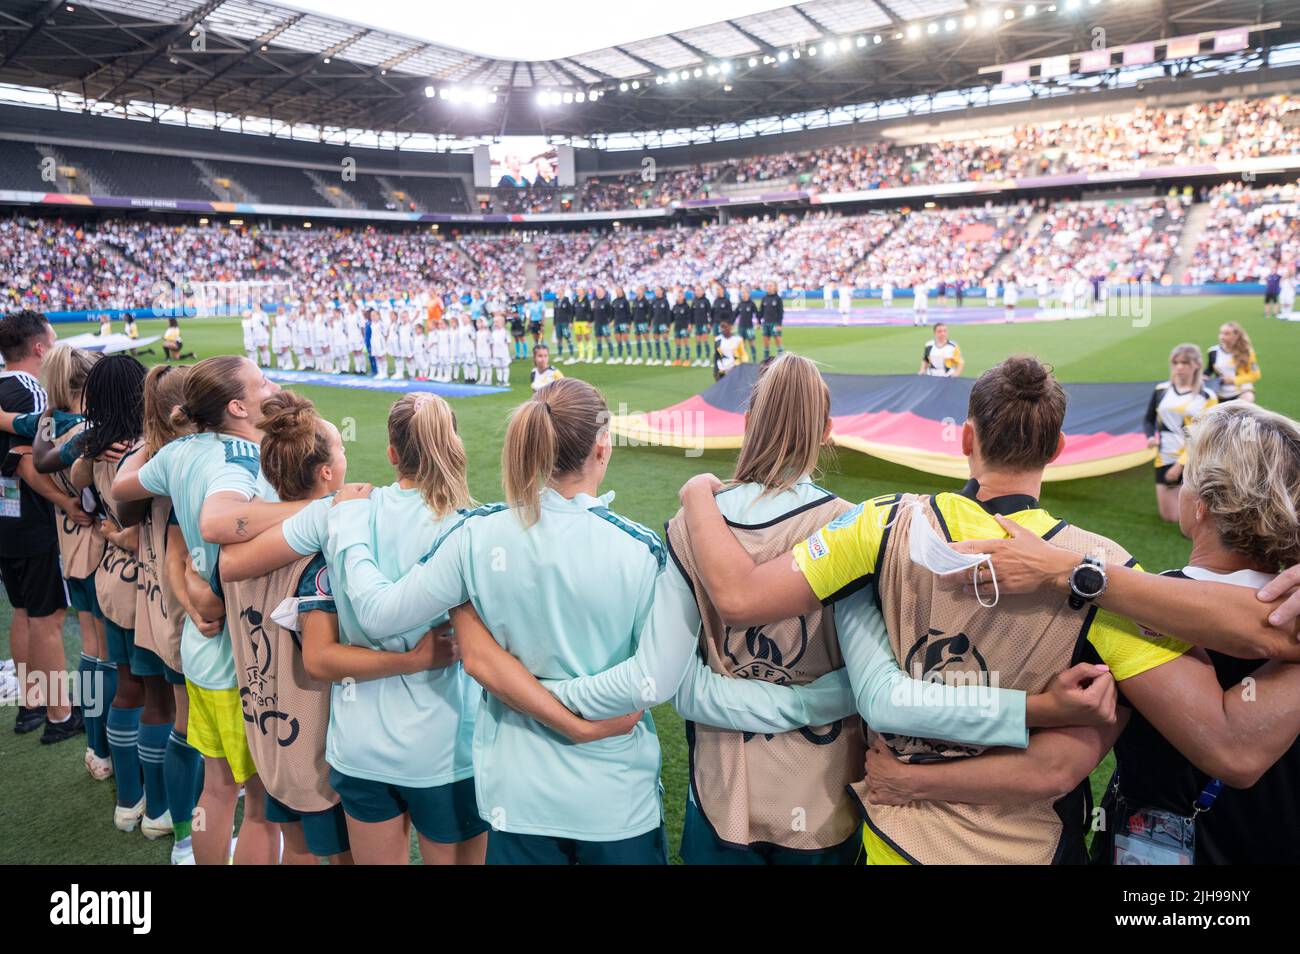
252,58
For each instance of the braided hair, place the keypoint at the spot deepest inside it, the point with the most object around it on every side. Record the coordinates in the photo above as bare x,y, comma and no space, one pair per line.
114,397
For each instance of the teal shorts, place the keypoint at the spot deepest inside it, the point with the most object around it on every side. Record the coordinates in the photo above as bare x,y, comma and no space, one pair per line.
445,814
509,848
121,649
621,327
642,328
771,330
602,331
81,595
563,332
747,334
702,329
681,332
326,832
702,846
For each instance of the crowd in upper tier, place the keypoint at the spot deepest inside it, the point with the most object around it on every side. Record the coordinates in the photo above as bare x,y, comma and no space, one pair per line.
59,265
1143,137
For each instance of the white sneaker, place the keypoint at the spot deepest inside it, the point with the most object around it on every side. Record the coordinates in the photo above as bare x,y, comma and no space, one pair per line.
125,819
9,688
158,827
183,851
99,769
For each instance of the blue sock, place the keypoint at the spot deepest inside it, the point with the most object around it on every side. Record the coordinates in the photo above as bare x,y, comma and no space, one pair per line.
183,770
124,742
152,747
86,693
106,677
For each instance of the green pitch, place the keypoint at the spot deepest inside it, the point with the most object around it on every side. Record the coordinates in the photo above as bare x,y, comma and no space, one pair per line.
53,813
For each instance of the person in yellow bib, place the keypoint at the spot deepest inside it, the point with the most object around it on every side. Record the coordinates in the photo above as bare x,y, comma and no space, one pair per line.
1033,808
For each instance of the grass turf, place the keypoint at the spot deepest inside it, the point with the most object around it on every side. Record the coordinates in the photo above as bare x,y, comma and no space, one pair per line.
53,813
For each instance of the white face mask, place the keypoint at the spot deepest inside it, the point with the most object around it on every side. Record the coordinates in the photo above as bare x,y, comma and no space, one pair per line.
932,551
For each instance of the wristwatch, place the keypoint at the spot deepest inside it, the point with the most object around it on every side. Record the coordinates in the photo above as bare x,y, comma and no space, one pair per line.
1087,581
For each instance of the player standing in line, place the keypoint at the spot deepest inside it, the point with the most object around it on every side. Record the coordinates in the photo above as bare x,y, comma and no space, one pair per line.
250,342
1174,404
301,336
562,324
920,302
356,335
282,340
600,316
991,290
340,346
621,318
262,336
702,318
483,352
681,312
642,306
1286,297
1233,364
746,316
846,301
518,322
772,310
501,350
1010,296
887,292
723,311
419,348
661,322
941,358
582,326
465,350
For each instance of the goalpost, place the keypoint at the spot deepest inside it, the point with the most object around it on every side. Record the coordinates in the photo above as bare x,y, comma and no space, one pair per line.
212,299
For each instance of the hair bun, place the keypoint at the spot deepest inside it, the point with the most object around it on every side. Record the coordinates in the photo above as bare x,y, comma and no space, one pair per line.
1026,377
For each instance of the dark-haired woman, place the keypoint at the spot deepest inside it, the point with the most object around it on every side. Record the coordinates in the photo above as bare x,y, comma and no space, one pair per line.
212,478
276,622
139,722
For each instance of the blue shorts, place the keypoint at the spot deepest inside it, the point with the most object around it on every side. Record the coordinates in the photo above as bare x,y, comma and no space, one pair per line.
509,848
82,596
173,677
326,832
702,846
445,814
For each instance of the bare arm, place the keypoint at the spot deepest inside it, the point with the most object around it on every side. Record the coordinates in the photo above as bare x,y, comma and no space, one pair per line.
506,678
1219,616
256,557
328,660
176,567
230,517
201,597
126,538
82,473
1053,765
743,594
1235,734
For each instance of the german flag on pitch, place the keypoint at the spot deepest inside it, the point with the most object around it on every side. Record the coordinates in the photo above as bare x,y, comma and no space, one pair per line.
910,420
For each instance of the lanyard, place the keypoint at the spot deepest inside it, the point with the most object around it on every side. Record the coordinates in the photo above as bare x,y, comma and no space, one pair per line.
1208,794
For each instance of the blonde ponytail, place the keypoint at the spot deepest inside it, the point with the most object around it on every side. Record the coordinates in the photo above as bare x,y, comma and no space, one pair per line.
549,436
429,451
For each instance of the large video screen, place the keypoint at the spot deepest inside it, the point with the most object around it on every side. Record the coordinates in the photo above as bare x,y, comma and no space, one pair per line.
521,161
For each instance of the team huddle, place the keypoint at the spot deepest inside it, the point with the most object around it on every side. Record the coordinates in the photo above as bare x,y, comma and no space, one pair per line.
912,679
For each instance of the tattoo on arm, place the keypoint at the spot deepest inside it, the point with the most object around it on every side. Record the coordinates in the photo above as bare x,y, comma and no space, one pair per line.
241,527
